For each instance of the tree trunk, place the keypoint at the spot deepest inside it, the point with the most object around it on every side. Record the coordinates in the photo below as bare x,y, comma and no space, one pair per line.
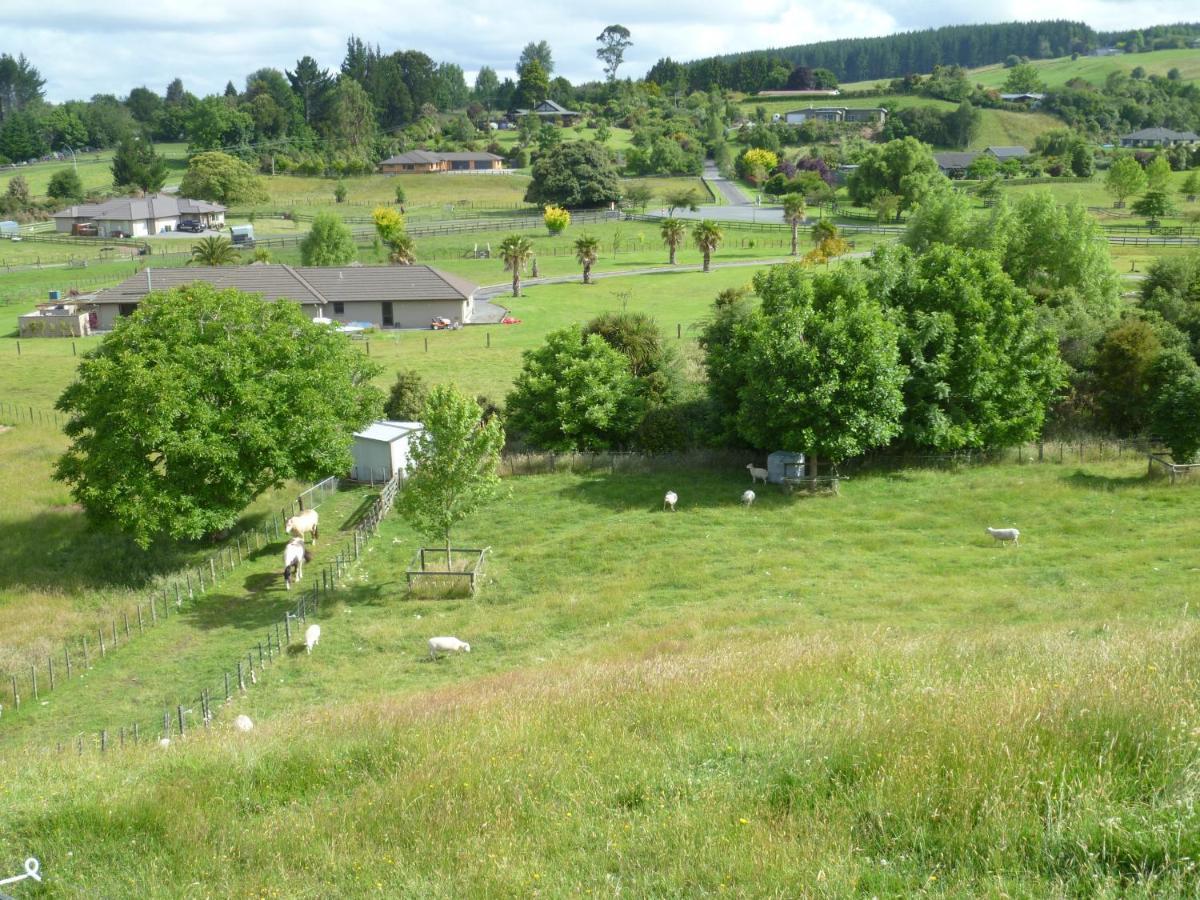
707,257
812,465
672,248
516,283
795,236
587,274
449,568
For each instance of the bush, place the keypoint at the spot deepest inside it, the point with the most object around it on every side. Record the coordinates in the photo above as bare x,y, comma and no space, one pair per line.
407,397
557,219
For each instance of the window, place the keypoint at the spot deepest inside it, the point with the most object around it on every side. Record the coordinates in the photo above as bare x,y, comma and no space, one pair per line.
126,309
339,308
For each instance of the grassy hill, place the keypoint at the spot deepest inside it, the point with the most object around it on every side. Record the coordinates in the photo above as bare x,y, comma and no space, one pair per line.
1057,72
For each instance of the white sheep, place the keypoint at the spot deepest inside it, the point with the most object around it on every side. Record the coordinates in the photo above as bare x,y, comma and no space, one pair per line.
748,498
164,743
757,474
311,636
1005,535
243,723
669,500
447,645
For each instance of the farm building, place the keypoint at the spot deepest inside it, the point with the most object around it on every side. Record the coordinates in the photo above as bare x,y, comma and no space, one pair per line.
1006,153
380,296
75,317
1159,137
139,216
549,110
428,162
870,115
954,163
382,449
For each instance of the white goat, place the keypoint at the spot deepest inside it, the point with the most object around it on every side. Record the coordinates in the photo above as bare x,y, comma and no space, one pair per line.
1005,535
447,645
748,498
757,474
243,723
299,526
669,500
311,636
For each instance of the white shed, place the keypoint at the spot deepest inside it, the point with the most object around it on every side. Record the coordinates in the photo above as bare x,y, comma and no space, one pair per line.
381,449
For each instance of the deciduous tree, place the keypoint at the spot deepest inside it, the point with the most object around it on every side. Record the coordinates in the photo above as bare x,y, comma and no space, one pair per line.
222,178
1125,178
329,243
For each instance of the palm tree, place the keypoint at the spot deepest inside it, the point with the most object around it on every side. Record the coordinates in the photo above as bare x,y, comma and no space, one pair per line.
587,249
793,214
401,249
213,251
673,232
707,238
516,251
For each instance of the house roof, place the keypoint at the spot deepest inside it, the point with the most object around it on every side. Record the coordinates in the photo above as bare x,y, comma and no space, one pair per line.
1026,95
131,209
1008,152
1160,134
548,108
387,430
955,159
307,285
429,157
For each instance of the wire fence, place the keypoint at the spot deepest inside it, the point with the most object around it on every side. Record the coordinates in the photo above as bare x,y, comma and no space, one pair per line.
206,696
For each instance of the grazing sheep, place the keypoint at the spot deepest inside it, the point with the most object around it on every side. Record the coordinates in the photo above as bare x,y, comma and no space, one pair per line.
243,723
757,474
311,636
1005,535
669,500
748,498
447,645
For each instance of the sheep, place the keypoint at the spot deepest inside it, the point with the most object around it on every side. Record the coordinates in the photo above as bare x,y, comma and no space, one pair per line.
164,743
757,474
447,645
311,636
1005,535
243,723
669,500
748,498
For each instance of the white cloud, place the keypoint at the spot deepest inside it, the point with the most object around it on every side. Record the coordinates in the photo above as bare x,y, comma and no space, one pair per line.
83,48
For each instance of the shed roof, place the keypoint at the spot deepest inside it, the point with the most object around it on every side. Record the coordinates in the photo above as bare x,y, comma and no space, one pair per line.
387,430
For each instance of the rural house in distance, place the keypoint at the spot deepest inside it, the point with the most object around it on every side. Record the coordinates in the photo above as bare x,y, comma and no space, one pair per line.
416,162
138,216
382,296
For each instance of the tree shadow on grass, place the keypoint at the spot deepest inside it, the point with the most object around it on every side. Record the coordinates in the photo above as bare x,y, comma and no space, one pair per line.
1093,482
247,612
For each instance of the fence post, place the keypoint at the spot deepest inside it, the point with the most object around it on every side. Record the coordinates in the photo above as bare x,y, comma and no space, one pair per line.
103,740
241,677
16,696
179,711
166,723
141,624
87,663
212,570
125,615
50,665
135,732
287,629
67,657
100,631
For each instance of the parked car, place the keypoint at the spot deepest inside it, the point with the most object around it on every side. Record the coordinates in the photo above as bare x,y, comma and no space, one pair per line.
191,225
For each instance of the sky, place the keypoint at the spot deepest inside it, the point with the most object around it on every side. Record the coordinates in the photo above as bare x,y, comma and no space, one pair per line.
82,47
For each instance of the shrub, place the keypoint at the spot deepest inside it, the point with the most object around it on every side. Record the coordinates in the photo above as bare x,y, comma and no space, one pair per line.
557,219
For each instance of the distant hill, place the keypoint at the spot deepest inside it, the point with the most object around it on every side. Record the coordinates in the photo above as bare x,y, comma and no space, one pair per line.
896,55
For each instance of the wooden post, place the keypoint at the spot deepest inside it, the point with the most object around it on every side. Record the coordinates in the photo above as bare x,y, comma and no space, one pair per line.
67,657
166,723
103,740
212,570
87,663
278,648
135,732
179,711
241,677
200,577
125,614
141,624
114,632
16,696
50,665
226,686
287,627
260,655
33,678
189,583
100,631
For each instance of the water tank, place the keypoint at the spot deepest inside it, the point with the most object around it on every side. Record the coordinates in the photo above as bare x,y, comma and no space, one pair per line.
784,464
55,295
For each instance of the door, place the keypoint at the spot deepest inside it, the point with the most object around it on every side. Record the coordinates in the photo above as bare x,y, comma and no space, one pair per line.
388,322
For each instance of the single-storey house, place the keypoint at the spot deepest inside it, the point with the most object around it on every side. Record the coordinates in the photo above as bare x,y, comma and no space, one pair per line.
1007,153
1158,137
381,450
869,115
954,163
139,216
548,109
427,161
381,296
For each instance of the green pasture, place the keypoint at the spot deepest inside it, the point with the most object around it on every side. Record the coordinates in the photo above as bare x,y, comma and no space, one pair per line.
1055,73
719,700
95,169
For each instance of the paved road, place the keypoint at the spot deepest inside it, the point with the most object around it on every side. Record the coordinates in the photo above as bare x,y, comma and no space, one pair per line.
733,194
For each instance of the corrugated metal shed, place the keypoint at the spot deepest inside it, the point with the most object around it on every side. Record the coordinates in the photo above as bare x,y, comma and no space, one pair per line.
381,449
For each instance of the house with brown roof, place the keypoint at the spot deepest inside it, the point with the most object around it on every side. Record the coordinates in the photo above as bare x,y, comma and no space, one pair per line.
139,216
380,296
416,162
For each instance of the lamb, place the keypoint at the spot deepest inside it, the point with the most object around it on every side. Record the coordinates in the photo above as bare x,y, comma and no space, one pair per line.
447,645
748,498
669,500
243,723
1005,535
757,474
311,636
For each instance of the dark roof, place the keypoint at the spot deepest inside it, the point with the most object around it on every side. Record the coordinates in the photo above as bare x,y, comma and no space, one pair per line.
477,157
428,157
548,108
131,209
1160,134
305,284
954,159
1008,152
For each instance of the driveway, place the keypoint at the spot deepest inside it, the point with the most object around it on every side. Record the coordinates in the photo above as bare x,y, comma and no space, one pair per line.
732,193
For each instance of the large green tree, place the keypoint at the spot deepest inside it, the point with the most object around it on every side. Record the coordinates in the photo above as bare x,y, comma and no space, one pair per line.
575,392
903,167
1175,409
1125,178
982,367
136,166
222,178
817,368
65,184
614,41
577,175
1124,358
202,400
455,464
329,243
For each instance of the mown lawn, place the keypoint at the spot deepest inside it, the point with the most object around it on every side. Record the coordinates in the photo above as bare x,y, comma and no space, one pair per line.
859,694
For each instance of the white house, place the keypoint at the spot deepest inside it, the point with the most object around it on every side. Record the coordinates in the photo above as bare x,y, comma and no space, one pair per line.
139,216
382,449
